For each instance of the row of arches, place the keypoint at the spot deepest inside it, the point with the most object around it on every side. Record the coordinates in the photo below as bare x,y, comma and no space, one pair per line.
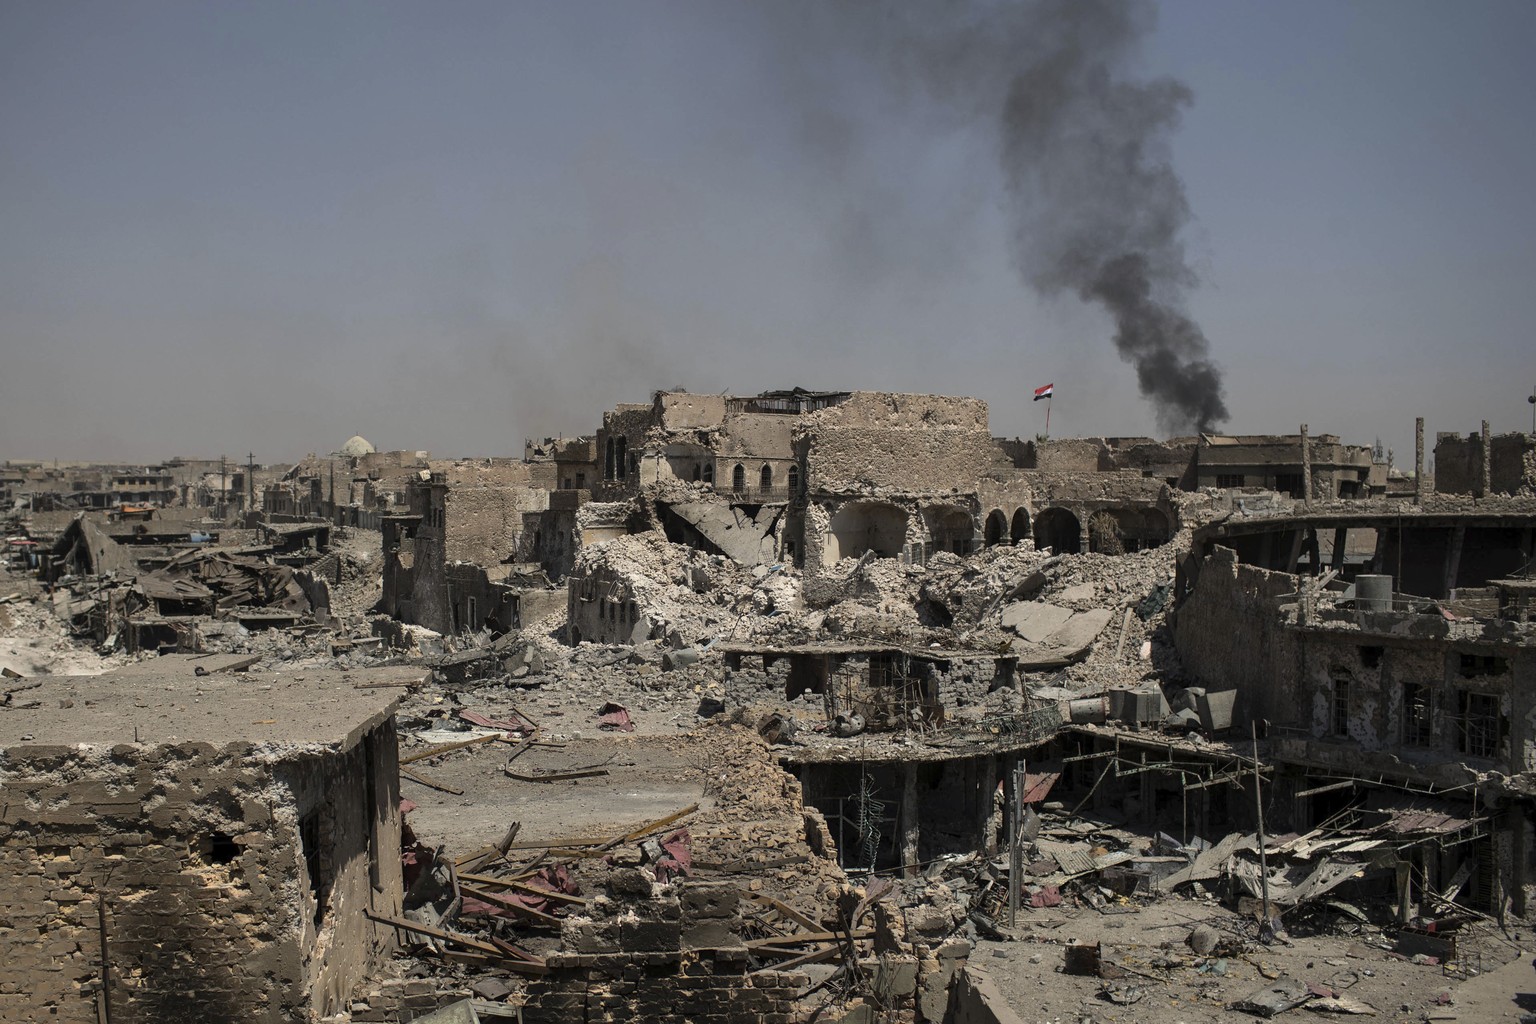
705,473
615,454
1111,530
999,527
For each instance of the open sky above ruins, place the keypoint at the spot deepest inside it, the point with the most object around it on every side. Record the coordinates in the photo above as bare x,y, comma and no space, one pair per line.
229,227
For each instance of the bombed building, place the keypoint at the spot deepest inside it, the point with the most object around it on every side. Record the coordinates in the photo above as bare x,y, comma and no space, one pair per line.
806,705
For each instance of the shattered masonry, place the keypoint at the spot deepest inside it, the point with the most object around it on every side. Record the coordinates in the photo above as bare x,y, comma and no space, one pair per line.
760,709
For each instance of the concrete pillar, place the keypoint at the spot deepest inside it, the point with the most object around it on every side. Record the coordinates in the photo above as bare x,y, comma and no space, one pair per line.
994,805
1418,461
1487,462
1306,468
909,829
1340,547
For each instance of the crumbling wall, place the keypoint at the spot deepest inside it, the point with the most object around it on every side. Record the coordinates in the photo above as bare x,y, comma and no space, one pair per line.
1070,456
1459,464
849,459
602,607
198,856
1228,633
682,410
483,524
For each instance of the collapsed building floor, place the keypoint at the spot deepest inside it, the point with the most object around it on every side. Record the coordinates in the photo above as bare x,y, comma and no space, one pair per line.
810,746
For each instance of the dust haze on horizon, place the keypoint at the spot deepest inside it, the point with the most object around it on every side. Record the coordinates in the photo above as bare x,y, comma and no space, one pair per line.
231,228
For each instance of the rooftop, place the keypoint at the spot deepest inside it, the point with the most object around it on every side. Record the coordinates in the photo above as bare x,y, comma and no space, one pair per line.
330,708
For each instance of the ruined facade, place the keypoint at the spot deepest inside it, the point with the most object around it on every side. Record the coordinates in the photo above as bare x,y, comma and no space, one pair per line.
1509,461
1407,670
196,848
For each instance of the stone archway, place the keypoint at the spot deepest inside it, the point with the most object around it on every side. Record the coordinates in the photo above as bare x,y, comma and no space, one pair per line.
950,529
1019,529
996,527
1140,528
1059,530
862,526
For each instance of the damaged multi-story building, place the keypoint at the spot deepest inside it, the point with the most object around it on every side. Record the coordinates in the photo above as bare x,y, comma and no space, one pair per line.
1388,655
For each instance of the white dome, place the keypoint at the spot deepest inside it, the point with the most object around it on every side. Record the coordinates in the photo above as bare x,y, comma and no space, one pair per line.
357,445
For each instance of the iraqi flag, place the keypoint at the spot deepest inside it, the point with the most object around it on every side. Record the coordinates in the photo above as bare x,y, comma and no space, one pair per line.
1044,392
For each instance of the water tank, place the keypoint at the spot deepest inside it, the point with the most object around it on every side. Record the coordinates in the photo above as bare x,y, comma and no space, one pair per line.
1373,593
1088,709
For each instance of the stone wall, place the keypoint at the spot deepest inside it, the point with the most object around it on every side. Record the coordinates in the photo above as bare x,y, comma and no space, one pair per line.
1228,633
199,855
1376,669
1459,467
602,608
848,459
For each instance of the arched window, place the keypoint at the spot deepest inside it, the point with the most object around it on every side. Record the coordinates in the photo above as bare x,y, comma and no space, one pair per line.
766,477
794,479
619,458
739,478
608,459
709,473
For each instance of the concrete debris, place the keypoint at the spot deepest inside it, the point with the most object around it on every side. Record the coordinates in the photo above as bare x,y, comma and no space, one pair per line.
819,732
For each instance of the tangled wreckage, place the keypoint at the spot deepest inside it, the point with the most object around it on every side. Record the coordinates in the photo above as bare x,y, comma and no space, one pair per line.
798,706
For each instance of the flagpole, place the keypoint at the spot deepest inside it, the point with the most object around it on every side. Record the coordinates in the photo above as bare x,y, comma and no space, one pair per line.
1047,417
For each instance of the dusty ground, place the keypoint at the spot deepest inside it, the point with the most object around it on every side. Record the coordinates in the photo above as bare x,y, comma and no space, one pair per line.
647,779
1176,985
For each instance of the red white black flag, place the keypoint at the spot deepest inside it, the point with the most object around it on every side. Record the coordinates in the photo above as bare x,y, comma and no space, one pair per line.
1044,392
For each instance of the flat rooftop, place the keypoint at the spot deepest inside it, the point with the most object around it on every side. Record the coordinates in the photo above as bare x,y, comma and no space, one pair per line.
306,708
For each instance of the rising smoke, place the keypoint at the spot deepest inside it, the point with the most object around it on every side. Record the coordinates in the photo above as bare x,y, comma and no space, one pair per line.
1096,205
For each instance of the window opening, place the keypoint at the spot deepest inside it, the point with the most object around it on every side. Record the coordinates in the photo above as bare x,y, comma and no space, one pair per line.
1481,724
1340,718
1418,722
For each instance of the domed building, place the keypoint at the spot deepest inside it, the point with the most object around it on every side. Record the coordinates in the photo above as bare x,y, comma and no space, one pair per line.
357,445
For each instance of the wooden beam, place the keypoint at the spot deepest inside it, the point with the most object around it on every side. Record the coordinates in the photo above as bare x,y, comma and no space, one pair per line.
446,747
508,883
783,908
506,904
466,941
556,776
430,782
812,957
793,940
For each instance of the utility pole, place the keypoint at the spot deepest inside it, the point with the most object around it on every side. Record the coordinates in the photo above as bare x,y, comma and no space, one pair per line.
250,480
1265,929
1532,400
223,490
1015,837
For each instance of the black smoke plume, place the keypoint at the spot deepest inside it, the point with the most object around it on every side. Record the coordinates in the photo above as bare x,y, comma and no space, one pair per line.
1097,207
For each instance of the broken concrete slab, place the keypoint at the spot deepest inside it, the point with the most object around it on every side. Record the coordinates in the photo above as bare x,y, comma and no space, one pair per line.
1285,993
1035,620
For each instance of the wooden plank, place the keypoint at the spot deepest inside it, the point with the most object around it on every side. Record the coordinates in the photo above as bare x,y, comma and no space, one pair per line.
558,897
430,782
446,747
436,933
812,957
652,827
783,908
506,904
570,846
792,940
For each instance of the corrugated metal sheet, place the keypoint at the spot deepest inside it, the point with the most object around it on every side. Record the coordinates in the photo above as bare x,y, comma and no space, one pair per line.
1038,787
1072,858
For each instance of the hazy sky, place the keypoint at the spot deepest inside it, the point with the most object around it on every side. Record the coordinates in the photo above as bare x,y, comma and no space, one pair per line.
268,226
